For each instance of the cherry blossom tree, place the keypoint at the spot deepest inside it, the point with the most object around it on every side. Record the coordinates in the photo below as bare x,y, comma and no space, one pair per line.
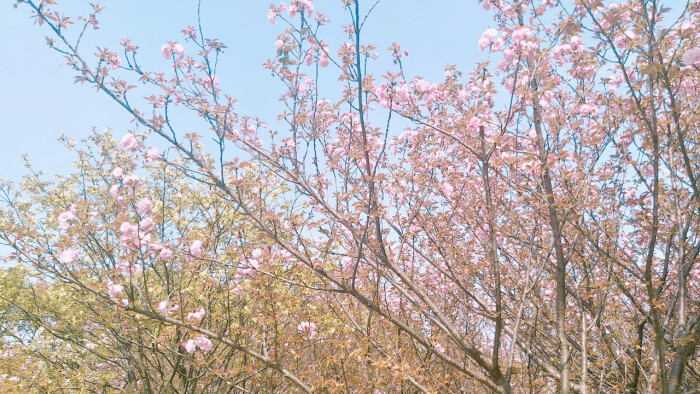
534,228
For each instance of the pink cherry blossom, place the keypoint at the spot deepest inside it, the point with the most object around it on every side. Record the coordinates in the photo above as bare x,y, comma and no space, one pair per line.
204,344
307,328
69,256
131,180
66,217
447,189
324,61
146,224
165,254
129,142
114,191
272,17
144,207
520,34
196,248
172,48
190,346
196,316
163,307
487,38
118,173
691,57
128,269
114,289
151,155
128,230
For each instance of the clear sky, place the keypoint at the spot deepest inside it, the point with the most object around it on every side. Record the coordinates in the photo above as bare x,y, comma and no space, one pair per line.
39,102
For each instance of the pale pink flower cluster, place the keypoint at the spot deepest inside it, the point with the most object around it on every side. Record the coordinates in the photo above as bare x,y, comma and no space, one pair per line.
210,82
587,109
447,189
129,142
196,248
151,155
165,254
520,34
113,60
623,40
146,224
614,82
559,52
128,45
133,235
250,266
288,257
128,269
196,316
695,273
143,206
172,49
66,217
131,180
691,57
474,123
522,46
299,5
202,342
114,290
396,97
274,12
128,230
164,308
118,173
69,256
307,328
323,59
490,38
487,4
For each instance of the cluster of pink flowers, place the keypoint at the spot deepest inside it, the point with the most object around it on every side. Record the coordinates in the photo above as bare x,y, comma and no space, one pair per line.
307,328
128,45
396,97
196,248
110,57
274,12
202,342
164,308
520,34
127,268
129,142
128,230
114,291
144,206
691,57
171,49
323,59
559,52
196,317
523,46
490,39
66,217
69,256
299,5
624,39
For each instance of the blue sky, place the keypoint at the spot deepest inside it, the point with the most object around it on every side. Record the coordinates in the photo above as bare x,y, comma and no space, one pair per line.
39,102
